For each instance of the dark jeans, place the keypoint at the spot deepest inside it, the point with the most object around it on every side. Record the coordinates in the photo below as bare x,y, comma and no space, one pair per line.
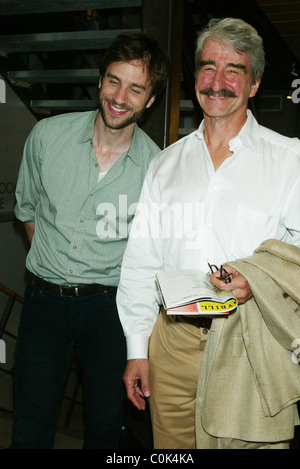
51,328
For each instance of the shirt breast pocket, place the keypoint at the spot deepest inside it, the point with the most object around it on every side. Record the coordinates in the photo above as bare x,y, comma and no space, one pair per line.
251,228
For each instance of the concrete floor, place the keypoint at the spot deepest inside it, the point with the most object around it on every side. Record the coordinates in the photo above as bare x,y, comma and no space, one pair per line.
62,440
70,428
65,438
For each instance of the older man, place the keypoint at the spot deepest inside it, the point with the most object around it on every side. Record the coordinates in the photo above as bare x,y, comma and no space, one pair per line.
238,184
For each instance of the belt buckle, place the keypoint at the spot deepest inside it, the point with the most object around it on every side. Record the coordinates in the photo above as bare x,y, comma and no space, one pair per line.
61,287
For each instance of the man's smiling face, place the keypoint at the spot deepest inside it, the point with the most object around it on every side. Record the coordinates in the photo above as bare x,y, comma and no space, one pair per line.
125,92
224,82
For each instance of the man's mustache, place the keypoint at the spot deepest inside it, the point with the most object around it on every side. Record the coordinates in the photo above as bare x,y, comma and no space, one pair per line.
220,94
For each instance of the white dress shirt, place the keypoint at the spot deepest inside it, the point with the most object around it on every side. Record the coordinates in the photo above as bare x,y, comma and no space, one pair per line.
190,214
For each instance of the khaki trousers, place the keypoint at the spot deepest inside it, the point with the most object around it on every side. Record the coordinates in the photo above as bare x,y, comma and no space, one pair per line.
175,353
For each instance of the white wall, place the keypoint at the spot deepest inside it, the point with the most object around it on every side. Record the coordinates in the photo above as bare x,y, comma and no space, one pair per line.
16,121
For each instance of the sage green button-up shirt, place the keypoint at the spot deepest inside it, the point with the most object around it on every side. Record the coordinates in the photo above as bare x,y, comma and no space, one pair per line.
81,225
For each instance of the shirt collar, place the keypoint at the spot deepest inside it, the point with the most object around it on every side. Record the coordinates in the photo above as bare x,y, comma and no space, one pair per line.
135,149
88,131
248,136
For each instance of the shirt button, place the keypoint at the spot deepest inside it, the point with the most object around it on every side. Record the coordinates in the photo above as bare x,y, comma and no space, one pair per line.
96,165
71,271
74,247
205,331
81,221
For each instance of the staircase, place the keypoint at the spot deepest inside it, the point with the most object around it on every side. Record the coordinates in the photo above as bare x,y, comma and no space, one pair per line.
49,55
50,50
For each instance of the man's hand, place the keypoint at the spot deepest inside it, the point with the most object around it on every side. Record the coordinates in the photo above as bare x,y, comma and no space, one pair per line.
136,380
238,286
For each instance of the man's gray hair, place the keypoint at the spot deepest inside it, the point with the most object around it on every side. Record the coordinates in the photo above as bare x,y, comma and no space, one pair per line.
238,35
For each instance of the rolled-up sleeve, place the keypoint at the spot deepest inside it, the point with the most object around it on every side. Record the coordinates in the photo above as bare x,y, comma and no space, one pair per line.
137,298
29,183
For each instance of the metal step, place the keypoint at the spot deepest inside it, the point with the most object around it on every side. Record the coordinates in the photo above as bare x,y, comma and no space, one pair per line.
77,40
185,131
64,105
186,105
25,7
31,77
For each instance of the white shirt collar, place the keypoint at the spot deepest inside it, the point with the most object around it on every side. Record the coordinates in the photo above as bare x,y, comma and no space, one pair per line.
248,135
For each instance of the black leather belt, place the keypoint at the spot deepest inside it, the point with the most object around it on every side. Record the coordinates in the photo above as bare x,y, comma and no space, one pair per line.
195,321
69,290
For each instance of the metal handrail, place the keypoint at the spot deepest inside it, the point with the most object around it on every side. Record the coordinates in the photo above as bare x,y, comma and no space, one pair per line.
9,292
13,296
